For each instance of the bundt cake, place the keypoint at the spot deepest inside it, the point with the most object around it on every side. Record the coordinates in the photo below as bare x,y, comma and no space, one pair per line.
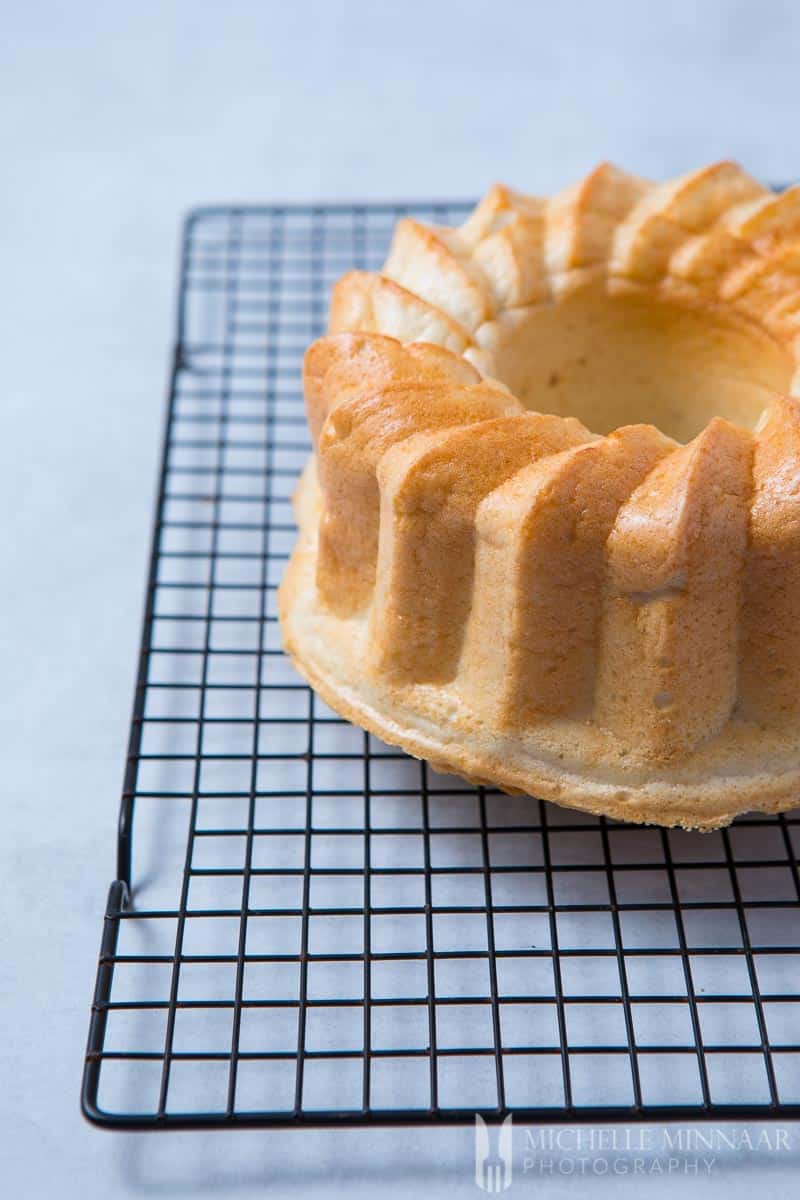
550,533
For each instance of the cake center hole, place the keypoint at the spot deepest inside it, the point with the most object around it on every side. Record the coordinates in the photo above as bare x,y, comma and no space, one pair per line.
619,360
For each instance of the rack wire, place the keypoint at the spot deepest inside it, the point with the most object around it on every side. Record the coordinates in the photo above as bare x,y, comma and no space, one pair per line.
320,930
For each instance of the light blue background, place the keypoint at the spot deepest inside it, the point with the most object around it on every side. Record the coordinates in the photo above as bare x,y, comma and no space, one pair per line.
114,120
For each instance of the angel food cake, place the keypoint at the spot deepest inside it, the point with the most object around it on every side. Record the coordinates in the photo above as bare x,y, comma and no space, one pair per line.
550,531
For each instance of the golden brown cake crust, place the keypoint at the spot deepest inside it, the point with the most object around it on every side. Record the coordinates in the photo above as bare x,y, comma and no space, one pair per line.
605,621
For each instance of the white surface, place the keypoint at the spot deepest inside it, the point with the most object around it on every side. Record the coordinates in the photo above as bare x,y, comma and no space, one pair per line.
114,120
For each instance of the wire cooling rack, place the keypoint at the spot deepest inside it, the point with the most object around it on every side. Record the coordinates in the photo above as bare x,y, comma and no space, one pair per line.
311,928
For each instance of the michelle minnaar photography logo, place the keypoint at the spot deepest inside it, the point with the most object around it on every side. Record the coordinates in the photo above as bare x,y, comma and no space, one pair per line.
691,1150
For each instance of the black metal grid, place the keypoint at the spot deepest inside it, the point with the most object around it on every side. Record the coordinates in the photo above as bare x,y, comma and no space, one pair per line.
320,930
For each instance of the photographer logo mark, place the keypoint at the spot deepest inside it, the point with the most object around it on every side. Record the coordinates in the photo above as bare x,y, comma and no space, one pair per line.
493,1170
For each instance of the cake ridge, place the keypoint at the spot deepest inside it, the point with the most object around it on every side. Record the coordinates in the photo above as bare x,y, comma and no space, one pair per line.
540,534
431,486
